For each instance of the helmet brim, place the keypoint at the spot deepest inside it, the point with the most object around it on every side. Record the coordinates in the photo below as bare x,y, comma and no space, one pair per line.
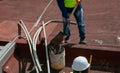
80,69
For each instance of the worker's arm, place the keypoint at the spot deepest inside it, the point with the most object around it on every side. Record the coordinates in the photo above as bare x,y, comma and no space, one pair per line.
62,8
78,6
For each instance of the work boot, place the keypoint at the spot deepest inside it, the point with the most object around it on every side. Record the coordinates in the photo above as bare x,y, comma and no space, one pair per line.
82,41
66,39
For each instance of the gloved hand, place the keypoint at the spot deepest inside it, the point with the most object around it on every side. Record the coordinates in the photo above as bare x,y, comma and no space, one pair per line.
68,20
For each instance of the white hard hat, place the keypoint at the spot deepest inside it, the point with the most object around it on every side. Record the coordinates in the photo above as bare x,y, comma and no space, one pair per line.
80,63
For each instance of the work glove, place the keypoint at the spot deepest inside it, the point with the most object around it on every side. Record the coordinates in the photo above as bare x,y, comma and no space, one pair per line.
68,20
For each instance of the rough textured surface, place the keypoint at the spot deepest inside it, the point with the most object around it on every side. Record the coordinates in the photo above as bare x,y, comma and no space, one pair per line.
102,19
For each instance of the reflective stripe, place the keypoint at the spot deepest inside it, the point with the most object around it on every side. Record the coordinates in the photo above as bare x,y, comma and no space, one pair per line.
70,3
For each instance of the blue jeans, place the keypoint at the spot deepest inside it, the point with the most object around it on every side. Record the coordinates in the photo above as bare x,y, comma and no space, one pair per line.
80,21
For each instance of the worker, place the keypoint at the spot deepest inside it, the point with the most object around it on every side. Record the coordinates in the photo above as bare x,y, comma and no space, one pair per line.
66,7
80,65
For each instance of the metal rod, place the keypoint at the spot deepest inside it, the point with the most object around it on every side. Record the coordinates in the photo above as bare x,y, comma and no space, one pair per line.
73,11
29,42
21,23
19,31
55,20
90,62
34,51
39,18
16,37
47,57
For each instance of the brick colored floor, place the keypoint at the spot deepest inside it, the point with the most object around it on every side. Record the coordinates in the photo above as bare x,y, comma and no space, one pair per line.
102,19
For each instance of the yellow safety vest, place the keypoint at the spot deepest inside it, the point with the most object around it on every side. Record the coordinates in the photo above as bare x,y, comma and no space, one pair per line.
70,3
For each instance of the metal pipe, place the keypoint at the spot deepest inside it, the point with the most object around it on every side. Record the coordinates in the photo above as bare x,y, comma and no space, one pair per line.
29,42
34,41
60,21
34,51
37,34
90,62
19,31
38,20
54,20
47,57
16,37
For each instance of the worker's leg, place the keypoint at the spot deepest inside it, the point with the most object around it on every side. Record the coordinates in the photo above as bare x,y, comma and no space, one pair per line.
80,20
66,30
66,27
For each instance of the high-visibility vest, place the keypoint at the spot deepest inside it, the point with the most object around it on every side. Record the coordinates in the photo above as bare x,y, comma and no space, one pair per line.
70,3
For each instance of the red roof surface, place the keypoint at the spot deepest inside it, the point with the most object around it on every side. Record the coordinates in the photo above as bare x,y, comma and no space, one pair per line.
101,19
